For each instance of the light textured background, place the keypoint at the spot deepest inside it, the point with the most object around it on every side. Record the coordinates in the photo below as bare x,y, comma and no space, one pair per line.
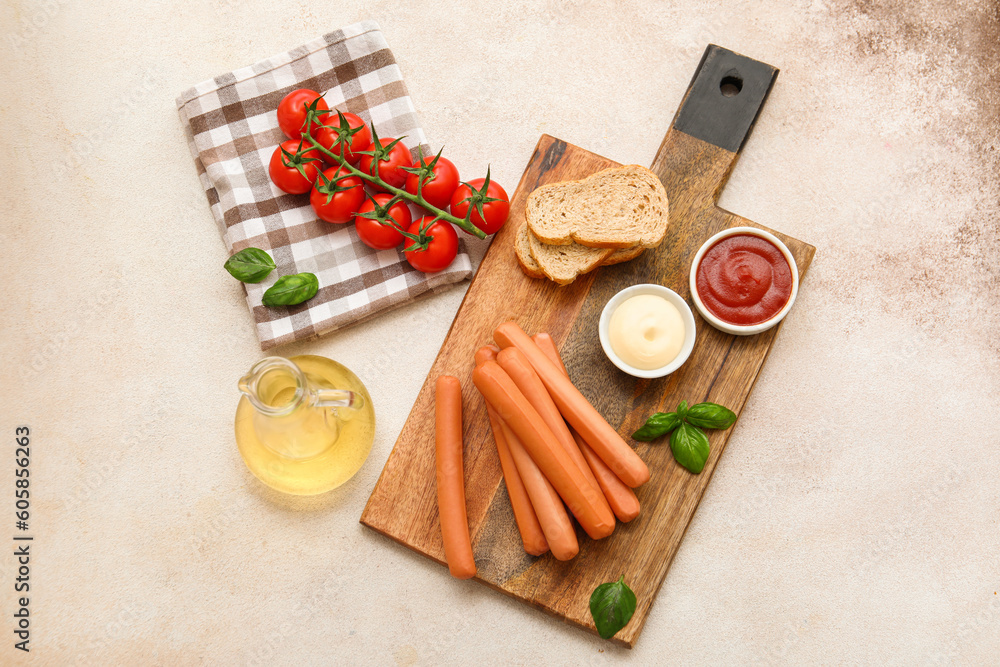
854,518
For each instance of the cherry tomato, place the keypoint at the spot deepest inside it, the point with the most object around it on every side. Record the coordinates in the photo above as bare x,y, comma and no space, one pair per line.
380,236
292,111
331,201
441,248
495,212
284,171
443,181
329,134
390,166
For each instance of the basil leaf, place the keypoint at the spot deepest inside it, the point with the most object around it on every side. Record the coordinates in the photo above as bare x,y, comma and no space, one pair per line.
659,424
612,606
710,415
690,447
682,410
291,290
250,265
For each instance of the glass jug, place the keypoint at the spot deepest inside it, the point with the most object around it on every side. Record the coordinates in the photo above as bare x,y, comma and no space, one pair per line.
304,425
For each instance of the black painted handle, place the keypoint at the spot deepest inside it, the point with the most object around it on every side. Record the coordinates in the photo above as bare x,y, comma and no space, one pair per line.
724,98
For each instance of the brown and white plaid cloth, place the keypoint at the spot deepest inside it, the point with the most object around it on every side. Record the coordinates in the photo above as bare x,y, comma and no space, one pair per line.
232,129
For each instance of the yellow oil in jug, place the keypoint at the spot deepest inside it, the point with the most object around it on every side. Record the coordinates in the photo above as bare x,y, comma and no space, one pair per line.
309,460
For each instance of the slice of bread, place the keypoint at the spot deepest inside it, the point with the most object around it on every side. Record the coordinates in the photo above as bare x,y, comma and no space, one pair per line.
620,207
522,250
623,255
563,263
532,269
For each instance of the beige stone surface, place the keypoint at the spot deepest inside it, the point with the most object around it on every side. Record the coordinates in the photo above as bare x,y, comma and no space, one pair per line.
855,518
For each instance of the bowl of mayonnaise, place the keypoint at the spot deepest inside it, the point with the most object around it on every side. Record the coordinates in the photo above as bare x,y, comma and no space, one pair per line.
647,330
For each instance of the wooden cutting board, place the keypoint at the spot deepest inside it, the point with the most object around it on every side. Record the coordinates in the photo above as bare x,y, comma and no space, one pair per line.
693,162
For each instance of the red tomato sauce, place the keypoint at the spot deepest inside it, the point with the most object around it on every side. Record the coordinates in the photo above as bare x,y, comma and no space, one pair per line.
744,280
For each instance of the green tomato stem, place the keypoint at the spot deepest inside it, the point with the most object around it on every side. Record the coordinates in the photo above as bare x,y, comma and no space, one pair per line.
418,199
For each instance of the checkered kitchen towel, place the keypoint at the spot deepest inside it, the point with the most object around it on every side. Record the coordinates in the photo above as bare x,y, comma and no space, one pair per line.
232,128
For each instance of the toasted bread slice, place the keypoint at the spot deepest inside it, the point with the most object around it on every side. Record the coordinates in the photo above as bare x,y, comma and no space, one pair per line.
563,263
531,268
522,250
623,255
620,207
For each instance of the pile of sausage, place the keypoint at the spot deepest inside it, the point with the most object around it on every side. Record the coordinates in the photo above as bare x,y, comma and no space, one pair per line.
546,462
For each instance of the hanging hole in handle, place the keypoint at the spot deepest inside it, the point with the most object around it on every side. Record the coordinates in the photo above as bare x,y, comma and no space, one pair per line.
731,85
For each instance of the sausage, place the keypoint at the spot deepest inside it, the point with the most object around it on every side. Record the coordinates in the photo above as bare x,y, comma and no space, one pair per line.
622,499
451,478
528,524
552,517
515,410
521,372
486,353
574,406
548,346
525,514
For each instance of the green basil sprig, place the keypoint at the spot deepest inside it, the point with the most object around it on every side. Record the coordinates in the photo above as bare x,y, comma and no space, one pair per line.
659,424
688,443
291,290
710,415
612,605
690,447
250,265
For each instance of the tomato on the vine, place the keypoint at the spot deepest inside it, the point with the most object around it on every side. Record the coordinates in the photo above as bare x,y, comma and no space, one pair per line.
353,129
337,196
392,157
294,168
441,242
374,233
493,199
442,180
293,108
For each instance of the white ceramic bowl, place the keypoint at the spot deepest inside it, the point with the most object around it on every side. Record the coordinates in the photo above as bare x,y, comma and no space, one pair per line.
743,330
686,316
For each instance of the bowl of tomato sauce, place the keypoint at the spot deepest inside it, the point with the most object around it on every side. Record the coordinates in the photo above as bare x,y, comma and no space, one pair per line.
744,280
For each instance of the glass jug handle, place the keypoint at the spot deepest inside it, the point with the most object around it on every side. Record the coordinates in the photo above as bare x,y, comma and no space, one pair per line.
339,398
341,405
